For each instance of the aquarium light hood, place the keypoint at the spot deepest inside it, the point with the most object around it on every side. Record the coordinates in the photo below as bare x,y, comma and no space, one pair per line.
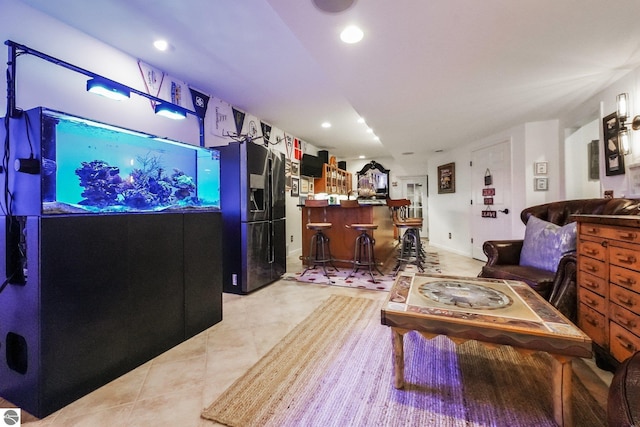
171,111
108,89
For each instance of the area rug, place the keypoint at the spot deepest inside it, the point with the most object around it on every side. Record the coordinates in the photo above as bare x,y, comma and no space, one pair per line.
335,369
362,279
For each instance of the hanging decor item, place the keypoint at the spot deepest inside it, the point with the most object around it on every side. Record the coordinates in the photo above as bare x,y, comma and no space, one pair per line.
487,194
488,179
613,155
447,178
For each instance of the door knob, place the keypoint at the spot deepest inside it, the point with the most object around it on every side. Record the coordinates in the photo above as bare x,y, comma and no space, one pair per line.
505,211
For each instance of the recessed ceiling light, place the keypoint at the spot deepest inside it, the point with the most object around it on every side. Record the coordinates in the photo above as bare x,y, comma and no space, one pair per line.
351,34
362,156
326,125
360,120
369,130
161,45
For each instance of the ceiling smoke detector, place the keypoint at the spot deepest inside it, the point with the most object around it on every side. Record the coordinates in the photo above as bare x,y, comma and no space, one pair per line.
333,6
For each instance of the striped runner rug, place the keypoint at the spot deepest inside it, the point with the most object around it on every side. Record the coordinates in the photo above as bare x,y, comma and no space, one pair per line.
335,369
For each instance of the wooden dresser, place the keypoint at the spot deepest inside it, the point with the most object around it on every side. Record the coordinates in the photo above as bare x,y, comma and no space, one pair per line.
609,284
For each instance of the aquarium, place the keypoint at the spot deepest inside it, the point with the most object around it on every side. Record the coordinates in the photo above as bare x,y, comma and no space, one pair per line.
91,167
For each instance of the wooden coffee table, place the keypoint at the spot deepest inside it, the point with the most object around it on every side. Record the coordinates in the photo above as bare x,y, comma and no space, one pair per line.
494,312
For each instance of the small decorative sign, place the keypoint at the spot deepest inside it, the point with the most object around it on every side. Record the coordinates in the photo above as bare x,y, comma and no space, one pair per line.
488,192
489,214
488,201
488,179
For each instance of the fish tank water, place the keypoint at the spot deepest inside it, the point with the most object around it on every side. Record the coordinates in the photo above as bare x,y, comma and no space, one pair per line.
91,167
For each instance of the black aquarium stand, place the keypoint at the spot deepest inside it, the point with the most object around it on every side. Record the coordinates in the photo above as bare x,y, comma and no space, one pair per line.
103,295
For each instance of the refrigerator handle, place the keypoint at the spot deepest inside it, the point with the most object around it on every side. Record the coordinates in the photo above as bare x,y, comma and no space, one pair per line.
272,254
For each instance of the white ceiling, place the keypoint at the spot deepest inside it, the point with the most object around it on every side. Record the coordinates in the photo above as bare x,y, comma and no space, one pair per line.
428,75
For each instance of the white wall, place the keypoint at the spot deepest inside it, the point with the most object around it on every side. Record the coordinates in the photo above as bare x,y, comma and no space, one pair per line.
576,161
542,144
601,104
41,83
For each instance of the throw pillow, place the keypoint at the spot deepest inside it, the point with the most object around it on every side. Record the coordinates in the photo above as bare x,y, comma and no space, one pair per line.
545,243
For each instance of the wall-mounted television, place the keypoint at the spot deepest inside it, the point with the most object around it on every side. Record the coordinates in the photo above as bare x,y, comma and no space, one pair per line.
311,166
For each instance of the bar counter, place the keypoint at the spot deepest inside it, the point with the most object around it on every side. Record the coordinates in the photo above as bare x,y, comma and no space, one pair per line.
342,239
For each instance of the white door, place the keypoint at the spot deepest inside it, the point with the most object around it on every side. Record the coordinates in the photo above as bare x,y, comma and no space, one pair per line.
495,223
414,188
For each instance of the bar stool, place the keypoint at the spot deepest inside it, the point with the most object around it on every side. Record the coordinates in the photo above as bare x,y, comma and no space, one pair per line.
408,229
363,256
319,249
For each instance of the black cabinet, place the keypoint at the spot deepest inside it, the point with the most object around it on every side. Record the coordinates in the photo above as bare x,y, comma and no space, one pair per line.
104,294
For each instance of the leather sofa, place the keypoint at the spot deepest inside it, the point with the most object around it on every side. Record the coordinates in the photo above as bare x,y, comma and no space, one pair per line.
558,287
623,401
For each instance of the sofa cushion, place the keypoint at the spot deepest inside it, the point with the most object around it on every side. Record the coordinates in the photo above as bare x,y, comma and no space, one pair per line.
539,280
545,243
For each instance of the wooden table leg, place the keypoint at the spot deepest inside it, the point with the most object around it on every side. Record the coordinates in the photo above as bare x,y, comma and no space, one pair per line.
562,390
397,337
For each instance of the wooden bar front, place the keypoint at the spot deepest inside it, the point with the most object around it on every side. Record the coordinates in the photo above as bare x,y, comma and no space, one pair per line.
342,239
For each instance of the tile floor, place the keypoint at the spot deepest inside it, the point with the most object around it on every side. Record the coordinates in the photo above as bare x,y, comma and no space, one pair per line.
173,388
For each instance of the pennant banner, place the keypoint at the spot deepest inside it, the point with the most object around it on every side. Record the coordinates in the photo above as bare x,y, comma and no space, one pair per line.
297,149
200,102
220,119
251,127
238,118
266,132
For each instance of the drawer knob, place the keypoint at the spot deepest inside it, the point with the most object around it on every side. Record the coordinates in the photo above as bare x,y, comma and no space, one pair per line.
628,323
590,284
628,235
590,320
629,259
628,281
625,301
590,267
626,343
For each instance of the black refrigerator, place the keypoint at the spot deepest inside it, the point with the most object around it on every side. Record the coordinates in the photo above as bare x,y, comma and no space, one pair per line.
252,198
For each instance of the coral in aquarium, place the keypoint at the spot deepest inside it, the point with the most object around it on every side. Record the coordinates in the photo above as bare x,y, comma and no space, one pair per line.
101,183
146,187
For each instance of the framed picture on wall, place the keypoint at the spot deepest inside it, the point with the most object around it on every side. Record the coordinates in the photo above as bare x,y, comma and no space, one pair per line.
295,187
304,185
447,178
540,168
541,184
613,157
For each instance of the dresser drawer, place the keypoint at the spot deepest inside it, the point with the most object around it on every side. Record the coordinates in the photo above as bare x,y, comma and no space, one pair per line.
622,234
624,257
592,323
592,249
593,283
625,278
624,298
593,300
625,318
593,230
622,343
593,266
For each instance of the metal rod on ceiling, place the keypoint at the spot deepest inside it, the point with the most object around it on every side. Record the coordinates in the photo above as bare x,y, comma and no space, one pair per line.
11,87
